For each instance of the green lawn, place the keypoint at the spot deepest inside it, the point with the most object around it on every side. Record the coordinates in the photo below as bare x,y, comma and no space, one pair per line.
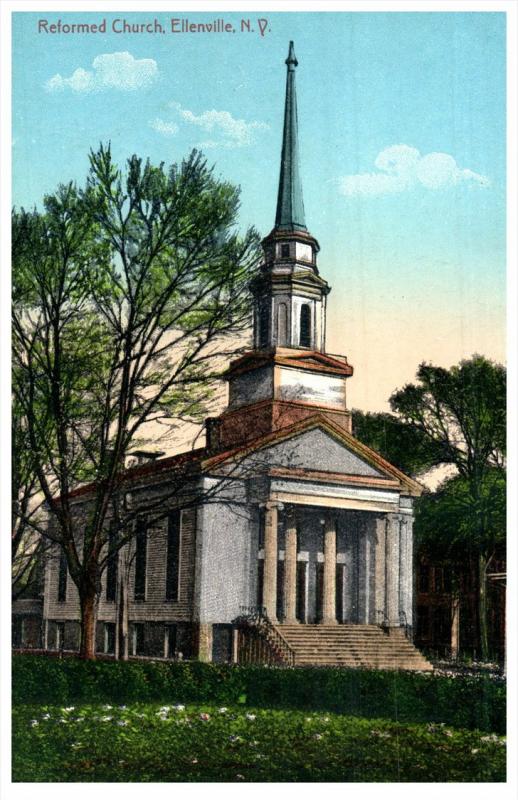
149,742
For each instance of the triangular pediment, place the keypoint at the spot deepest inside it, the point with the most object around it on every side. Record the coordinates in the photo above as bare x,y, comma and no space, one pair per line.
317,446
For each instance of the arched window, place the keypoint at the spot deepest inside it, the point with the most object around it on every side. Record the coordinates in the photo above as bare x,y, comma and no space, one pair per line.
263,325
305,326
282,324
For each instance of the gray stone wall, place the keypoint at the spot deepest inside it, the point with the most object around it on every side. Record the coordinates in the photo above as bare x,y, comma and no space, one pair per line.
314,450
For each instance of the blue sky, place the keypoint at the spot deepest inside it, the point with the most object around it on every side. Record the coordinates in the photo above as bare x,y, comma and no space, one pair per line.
402,139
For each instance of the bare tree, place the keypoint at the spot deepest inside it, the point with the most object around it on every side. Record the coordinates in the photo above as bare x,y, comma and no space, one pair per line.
127,295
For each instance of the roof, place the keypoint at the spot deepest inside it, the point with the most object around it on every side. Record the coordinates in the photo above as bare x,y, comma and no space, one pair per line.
201,461
318,420
310,360
290,206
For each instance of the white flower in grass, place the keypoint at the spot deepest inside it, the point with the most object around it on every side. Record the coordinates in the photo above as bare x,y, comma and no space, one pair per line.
205,717
123,722
179,707
240,777
251,717
69,708
474,750
165,708
448,733
123,708
194,760
223,710
63,720
46,716
76,745
106,719
107,707
34,722
317,736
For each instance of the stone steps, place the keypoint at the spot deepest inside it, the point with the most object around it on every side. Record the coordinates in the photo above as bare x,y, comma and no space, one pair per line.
347,645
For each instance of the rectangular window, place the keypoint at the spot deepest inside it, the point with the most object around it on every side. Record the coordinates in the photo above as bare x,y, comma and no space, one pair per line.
140,560
285,250
172,585
260,581
62,577
109,637
112,565
170,641
139,639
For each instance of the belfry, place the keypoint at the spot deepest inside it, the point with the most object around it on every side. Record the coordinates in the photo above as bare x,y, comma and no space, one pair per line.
292,542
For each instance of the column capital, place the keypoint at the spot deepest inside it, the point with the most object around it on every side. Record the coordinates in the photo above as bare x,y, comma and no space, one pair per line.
271,505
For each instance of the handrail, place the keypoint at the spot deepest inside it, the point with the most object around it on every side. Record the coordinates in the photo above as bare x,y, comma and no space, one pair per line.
383,620
257,617
403,621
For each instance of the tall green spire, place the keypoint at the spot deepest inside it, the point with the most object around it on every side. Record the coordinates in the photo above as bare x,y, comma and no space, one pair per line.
290,207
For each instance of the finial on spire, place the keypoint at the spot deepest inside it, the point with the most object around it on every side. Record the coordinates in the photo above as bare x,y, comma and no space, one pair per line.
290,207
291,61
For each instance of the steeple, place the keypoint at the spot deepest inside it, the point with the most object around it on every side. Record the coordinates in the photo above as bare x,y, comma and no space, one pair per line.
288,375
290,206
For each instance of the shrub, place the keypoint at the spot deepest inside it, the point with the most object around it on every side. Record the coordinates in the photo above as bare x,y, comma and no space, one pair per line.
464,702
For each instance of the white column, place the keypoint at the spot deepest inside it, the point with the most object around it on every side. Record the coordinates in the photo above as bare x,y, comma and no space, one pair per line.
380,525
392,569
270,561
290,570
406,568
329,610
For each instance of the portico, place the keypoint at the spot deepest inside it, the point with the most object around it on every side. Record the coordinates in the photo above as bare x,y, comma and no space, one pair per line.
331,565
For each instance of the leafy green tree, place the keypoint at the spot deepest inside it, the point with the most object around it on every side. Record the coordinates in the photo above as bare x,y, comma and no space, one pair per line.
462,411
127,295
400,443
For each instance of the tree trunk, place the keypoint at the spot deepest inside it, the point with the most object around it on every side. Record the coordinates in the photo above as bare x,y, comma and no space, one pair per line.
482,609
88,600
455,626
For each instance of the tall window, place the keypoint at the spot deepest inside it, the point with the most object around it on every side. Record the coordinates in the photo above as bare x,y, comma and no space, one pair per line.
173,556
305,326
111,568
140,560
282,324
263,324
62,577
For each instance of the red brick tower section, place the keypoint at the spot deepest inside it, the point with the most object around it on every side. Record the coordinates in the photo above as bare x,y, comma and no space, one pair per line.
270,390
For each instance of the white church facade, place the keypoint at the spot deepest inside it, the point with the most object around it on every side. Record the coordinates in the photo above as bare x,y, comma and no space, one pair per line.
292,542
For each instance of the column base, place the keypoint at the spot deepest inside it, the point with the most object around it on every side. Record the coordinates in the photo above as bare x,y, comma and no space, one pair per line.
330,621
291,621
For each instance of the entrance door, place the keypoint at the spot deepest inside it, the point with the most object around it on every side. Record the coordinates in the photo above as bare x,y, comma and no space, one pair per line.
301,590
340,586
221,643
280,590
319,591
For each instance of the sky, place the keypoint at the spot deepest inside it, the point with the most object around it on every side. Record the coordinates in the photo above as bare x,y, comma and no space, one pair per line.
402,142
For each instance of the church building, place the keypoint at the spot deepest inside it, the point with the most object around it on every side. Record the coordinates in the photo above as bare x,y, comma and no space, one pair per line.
293,543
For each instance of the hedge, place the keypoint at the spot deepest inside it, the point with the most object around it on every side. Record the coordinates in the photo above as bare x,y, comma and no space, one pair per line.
464,702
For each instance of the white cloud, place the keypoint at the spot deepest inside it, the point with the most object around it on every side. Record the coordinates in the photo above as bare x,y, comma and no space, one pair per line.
401,167
230,132
161,126
109,71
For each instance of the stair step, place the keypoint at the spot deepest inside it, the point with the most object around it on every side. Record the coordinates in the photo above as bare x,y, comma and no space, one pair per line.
349,645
